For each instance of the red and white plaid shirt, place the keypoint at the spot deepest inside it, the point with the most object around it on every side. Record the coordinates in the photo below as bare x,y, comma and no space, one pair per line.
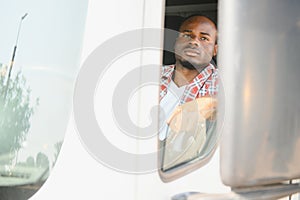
205,84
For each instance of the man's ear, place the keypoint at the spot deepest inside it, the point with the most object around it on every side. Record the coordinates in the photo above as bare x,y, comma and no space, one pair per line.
215,49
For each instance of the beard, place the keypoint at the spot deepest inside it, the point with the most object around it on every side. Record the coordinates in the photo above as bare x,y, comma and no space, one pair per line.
187,64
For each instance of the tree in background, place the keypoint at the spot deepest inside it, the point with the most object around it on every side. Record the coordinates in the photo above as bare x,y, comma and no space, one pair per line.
42,160
15,114
30,162
57,147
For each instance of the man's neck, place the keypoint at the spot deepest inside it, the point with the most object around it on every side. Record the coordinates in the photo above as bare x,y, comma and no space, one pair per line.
183,76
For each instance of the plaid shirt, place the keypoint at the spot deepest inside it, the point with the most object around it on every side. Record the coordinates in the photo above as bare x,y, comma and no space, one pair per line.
205,84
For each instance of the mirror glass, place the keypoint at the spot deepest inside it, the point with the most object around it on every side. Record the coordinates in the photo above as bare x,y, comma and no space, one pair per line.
39,60
189,88
189,129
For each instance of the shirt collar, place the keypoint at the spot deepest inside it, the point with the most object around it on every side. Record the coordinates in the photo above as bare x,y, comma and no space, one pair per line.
202,76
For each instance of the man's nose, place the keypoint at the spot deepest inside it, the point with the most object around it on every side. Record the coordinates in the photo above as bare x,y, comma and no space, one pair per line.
194,41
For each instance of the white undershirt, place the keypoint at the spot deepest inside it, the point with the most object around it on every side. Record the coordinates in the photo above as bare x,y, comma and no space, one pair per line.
167,106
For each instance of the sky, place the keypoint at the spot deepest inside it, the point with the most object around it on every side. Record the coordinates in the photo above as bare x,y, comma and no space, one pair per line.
48,55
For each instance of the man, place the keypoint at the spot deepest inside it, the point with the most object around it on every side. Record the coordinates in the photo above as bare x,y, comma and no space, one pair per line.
192,76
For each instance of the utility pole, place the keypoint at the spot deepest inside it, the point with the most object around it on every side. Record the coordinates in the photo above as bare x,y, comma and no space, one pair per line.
13,56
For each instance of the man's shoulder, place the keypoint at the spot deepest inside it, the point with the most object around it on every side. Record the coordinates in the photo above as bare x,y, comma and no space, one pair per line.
167,70
209,70
214,73
168,67
212,67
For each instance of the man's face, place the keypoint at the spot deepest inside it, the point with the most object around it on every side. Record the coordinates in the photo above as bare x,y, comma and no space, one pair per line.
196,43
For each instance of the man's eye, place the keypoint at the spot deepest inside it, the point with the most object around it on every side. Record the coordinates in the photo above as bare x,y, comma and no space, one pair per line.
204,38
186,36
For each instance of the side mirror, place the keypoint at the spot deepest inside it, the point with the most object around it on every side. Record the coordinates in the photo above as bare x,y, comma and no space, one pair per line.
190,140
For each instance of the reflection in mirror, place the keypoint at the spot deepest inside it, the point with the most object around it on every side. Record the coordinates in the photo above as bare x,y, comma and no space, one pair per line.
189,88
188,130
38,68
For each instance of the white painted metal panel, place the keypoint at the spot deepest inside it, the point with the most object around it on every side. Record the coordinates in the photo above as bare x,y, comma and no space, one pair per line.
77,174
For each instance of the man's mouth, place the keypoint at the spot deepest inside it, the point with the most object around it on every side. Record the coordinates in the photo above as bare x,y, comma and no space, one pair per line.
191,52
